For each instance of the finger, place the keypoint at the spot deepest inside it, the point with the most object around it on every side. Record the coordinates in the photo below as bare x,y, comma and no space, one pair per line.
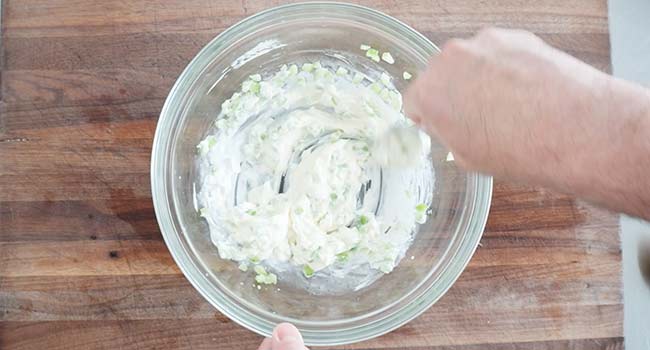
412,102
287,337
267,344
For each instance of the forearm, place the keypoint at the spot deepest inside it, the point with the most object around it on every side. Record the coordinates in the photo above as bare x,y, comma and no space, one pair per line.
610,161
602,151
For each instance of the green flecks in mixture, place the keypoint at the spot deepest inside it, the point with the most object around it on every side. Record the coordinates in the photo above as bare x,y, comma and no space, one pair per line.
263,276
206,145
293,70
358,77
308,67
343,257
385,79
203,212
307,271
363,220
373,54
376,88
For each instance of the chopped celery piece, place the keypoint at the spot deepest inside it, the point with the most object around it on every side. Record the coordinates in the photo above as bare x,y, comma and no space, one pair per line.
365,47
387,57
293,69
342,257
421,207
251,212
406,75
255,260
243,266
256,77
341,71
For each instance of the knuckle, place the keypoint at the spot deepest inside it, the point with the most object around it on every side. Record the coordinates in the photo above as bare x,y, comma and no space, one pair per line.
453,46
489,33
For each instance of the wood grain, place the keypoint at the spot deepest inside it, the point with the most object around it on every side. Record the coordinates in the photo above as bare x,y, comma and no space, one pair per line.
82,261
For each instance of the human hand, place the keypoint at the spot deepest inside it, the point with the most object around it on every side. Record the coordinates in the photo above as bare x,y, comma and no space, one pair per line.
285,337
507,104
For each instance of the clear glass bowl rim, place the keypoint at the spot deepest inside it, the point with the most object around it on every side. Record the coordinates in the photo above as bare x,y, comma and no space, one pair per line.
262,322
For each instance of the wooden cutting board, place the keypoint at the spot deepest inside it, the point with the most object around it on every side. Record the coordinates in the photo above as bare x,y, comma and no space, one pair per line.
82,261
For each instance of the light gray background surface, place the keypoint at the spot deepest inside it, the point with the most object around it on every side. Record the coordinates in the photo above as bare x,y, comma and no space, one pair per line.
629,28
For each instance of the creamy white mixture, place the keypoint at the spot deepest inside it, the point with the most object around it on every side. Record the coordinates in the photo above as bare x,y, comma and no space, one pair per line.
295,173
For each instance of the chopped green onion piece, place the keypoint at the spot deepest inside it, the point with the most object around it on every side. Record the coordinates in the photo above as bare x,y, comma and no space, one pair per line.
363,219
450,157
341,71
365,47
255,87
307,271
251,212
387,57
376,88
203,212
421,207
384,94
322,73
385,79
270,278
212,140
373,54
333,196
307,67
406,75
358,77
260,270
256,77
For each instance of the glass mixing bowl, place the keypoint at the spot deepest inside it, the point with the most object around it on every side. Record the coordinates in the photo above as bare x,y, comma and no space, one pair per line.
263,42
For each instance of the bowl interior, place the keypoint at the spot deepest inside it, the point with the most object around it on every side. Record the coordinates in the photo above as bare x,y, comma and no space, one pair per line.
262,44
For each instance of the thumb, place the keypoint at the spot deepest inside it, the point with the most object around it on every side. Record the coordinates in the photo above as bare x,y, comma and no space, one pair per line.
287,337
